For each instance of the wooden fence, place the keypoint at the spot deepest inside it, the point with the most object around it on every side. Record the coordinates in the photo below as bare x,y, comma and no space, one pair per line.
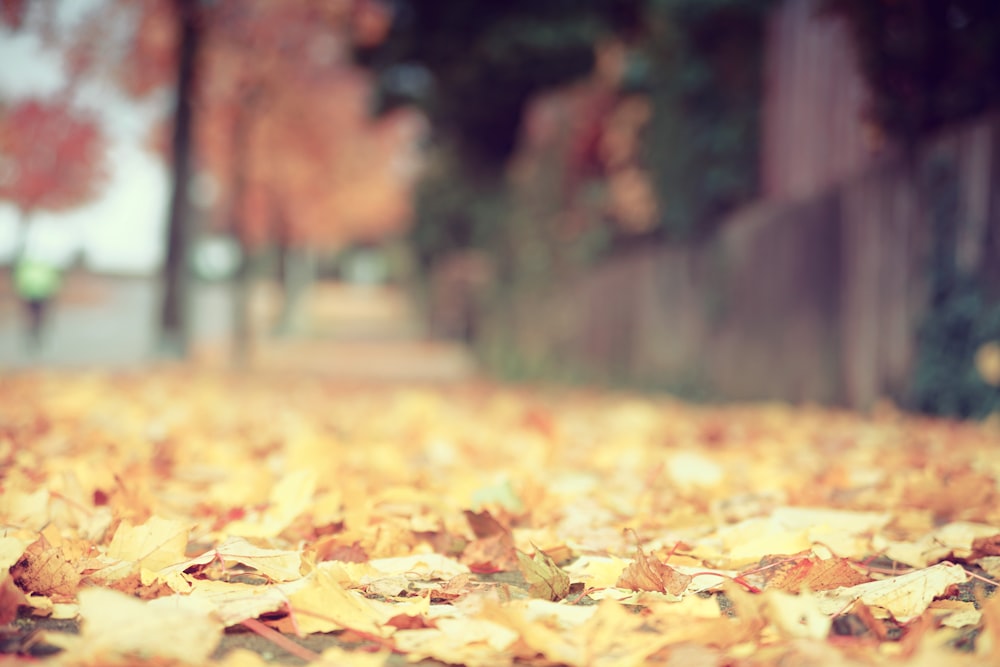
813,293
817,299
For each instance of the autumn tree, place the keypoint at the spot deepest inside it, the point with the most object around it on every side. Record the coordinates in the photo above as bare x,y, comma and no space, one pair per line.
286,135
282,129
52,156
165,50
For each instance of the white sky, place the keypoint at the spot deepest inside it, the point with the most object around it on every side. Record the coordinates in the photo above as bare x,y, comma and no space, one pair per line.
123,228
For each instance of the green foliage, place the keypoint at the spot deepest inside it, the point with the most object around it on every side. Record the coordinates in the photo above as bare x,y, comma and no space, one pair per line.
456,210
697,61
704,80
946,381
928,63
485,60
961,318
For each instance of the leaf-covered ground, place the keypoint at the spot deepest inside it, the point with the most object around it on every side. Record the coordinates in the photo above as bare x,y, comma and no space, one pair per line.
175,517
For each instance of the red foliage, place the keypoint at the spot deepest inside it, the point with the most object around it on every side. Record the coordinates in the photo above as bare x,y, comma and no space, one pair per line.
53,156
12,12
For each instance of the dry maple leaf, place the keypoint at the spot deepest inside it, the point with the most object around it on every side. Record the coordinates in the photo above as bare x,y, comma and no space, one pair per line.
484,524
154,545
812,573
545,579
905,597
330,548
493,550
649,574
274,564
42,569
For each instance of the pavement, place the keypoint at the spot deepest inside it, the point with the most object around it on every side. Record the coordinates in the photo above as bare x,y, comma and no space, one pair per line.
341,331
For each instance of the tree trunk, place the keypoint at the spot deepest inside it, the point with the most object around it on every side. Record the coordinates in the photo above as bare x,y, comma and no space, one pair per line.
297,276
242,334
175,274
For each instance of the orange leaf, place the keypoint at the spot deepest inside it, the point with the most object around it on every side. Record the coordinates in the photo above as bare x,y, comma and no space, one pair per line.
815,574
649,574
42,569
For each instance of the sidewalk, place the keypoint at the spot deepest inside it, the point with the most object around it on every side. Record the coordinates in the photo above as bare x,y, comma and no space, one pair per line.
344,331
356,332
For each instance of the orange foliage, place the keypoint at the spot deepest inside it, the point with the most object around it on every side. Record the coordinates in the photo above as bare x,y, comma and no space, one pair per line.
283,125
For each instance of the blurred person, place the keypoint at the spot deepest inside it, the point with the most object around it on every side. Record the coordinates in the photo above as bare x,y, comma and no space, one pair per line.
36,282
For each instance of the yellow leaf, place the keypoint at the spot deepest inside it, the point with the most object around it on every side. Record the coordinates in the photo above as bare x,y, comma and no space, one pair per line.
289,498
115,625
796,616
275,564
426,566
535,632
612,636
155,544
462,641
597,572
236,602
323,605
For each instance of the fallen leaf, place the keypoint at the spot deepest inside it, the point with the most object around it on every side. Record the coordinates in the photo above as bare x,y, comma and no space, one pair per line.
796,616
321,604
545,579
905,597
613,636
154,545
275,564
986,546
424,566
235,602
812,573
42,569
956,613
597,572
290,497
460,641
649,574
483,524
114,625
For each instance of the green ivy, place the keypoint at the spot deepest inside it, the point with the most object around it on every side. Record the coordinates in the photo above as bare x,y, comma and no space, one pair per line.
961,317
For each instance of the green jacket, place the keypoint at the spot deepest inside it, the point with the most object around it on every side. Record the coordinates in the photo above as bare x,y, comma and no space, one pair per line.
35,280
